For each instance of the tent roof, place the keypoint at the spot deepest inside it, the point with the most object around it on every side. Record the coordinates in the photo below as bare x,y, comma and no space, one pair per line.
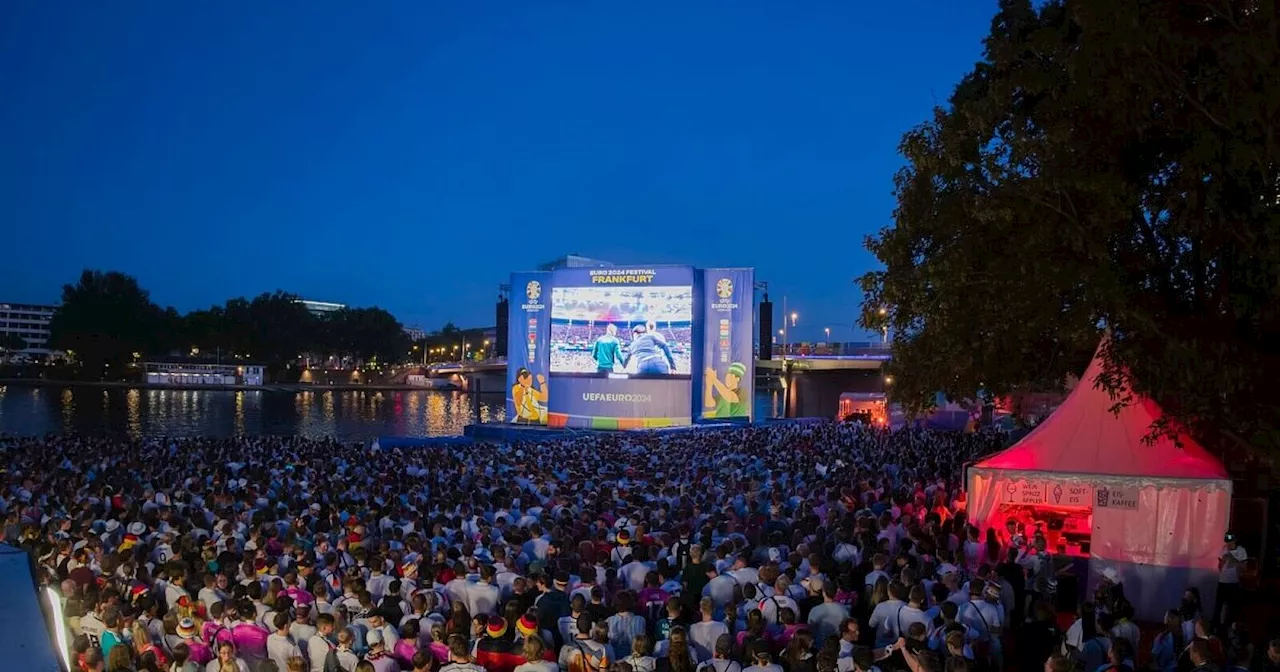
1084,436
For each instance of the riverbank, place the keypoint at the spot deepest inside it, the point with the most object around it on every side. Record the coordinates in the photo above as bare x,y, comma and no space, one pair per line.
281,387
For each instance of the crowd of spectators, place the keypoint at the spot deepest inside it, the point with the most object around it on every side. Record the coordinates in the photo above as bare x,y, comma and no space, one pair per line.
782,548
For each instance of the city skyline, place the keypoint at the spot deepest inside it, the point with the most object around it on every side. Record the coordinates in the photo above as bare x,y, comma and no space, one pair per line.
411,156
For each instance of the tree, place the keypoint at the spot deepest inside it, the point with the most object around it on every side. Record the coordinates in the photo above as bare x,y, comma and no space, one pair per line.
278,328
366,334
1107,164
12,343
104,318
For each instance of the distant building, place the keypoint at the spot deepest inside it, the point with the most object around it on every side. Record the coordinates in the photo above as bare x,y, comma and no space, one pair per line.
415,333
321,307
30,322
180,373
574,261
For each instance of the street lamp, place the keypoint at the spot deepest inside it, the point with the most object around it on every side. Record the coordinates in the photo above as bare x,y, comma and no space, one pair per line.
828,331
794,317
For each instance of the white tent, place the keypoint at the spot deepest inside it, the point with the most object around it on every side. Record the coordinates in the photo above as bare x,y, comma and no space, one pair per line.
24,633
1154,512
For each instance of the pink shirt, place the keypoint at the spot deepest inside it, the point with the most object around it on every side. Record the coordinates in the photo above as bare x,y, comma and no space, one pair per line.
201,654
210,627
404,652
299,595
250,640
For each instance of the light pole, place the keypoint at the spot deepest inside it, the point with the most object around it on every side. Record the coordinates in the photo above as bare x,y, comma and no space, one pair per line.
884,328
827,330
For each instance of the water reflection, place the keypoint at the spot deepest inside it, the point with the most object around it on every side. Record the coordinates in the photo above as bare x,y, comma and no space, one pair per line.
347,416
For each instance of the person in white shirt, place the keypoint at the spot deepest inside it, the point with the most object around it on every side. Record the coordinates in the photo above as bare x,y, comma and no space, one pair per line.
884,618
533,652
914,611
301,629
319,644
771,604
347,659
984,614
280,644
227,658
1230,561
704,635
722,660
482,596
720,589
825,618
878,563
378,623
1125,628
631,575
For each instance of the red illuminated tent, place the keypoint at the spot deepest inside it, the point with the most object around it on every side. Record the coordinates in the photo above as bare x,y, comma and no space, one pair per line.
1153,512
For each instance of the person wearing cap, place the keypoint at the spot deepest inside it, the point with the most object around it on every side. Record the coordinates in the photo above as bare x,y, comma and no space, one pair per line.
280,644
199,651
621,553
378,656
553,603
499,651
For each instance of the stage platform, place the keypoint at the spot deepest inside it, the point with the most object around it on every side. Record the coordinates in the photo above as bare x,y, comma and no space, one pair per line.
503,432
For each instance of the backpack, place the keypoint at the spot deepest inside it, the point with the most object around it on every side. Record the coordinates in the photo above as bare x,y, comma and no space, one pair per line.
680,551
331,663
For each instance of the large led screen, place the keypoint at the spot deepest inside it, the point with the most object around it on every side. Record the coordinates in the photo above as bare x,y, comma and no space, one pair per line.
622,332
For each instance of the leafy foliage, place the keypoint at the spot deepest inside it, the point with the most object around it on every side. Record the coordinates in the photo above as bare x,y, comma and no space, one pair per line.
12,342
106,317
1106,163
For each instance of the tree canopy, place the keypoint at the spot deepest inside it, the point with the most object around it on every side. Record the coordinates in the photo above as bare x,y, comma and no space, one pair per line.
1106,164
106,317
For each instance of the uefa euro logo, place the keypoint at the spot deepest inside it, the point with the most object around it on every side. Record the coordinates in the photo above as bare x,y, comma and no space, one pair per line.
724,289
533,290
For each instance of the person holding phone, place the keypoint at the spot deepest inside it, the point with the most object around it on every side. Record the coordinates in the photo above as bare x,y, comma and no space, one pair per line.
1230,562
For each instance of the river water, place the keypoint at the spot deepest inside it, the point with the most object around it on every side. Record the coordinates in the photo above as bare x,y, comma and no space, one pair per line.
345,415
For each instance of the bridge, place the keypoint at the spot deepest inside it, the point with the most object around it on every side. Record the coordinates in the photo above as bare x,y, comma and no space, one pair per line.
807,380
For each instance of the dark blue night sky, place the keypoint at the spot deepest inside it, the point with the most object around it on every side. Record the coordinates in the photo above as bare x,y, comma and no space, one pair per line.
411,154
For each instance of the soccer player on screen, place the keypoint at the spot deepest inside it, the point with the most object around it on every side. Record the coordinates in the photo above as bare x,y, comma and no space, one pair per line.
650,352
730,403
607,350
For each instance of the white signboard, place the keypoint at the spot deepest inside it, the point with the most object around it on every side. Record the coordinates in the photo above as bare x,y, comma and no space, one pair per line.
1117,498
1025,493
1074,496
